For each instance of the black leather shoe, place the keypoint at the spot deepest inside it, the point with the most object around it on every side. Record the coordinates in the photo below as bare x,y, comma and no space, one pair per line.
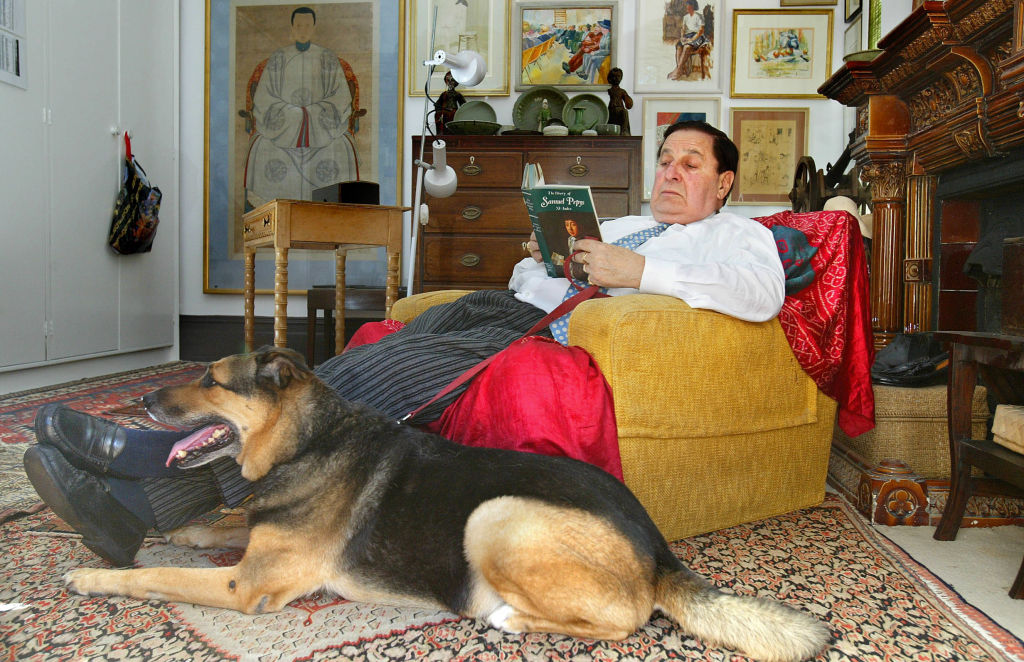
85,503
87,442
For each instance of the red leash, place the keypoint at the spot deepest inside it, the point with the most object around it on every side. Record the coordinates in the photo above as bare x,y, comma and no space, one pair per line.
590,292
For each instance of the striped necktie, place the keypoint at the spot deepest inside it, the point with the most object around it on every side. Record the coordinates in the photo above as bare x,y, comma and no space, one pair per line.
560,327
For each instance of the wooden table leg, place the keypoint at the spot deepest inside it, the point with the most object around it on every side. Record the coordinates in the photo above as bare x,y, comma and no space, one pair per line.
340,255
250,299
963,377
281,297
391,284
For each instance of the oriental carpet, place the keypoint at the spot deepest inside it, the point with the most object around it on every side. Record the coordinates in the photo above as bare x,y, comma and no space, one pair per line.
879,603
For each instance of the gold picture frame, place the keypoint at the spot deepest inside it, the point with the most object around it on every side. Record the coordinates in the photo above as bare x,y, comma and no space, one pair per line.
808,3
241,40
548,52
780,53
771,142
481,26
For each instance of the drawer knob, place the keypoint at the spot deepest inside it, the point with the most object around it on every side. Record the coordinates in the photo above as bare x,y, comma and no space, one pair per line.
578,169
470,260
472,212
472,169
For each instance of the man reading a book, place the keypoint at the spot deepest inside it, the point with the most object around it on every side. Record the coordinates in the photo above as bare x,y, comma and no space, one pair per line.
113,483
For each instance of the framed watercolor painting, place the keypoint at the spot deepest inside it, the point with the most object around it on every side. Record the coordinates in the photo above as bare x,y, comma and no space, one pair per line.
262,142
780,53
660,113
455,25
678,47
852,9
852,38
771,141
570,45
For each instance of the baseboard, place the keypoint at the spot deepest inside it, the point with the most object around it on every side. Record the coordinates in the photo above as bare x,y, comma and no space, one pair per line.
211,337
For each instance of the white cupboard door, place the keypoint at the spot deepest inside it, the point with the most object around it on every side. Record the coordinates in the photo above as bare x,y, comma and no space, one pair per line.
84,175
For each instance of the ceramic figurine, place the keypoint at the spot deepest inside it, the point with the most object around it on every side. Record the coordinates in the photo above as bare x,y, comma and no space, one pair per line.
447,103
543,115
619,102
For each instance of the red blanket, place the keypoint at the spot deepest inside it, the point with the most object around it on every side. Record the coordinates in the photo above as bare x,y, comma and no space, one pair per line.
828,323
557,402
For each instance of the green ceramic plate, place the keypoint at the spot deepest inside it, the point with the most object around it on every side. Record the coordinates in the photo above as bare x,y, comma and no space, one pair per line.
594,111
476,110
527,107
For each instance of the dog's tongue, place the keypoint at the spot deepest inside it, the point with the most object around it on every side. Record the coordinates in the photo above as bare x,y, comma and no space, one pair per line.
194,440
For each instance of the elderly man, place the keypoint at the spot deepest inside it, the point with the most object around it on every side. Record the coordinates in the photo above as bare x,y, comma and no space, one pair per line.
111,483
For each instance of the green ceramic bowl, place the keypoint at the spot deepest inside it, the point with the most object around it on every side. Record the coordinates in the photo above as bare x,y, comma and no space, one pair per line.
473,127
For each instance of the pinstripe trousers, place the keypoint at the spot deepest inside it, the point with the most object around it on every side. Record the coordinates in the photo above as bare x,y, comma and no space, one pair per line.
395,375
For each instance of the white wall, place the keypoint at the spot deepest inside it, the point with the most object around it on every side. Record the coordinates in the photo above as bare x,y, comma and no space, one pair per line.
829,125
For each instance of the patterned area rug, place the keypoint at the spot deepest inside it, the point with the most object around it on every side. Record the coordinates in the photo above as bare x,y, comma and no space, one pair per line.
878,602
112,396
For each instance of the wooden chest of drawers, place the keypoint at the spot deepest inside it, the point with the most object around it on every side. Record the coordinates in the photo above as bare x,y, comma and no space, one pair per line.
474,238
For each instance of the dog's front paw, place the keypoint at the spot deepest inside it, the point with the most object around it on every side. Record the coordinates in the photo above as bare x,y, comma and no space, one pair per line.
91,581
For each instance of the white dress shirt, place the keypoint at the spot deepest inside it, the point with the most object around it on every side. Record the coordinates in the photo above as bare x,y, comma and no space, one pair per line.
724,262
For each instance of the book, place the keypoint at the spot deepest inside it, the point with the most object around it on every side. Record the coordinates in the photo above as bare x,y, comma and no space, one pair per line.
560,214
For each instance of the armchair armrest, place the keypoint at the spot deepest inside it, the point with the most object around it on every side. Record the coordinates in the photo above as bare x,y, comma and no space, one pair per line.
406,309
711,374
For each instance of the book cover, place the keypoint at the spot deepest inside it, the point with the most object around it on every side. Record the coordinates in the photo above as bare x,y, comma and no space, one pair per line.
560,214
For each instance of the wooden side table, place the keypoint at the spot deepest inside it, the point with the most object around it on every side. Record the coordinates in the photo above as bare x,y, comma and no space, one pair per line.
285,224
999,360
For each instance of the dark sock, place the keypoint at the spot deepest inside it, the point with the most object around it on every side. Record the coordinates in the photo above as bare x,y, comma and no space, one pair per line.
145,454
130,494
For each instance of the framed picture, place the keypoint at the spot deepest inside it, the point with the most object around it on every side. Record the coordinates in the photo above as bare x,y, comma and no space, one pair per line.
852,37
852,9
678,47
13,45
771,141
571,44
780,53
808,3
660,113
261,143
457,25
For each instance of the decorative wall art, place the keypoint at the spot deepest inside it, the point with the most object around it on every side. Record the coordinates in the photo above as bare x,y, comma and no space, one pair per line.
569,44
263,141
780,53
808,3
771,141
480,25
852,9
660,113
677,46
13,48
852,37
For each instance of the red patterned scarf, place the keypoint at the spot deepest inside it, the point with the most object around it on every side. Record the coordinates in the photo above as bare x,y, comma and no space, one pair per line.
828,323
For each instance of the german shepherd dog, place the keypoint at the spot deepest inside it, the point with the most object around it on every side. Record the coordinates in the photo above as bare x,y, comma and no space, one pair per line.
349,501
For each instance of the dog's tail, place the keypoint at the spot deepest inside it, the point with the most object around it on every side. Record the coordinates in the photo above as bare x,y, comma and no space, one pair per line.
763,629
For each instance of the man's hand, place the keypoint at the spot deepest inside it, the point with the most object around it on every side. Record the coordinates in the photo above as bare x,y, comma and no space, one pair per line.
533,248
608,265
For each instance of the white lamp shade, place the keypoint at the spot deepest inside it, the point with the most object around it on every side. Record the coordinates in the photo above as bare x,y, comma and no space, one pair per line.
440,181
467,67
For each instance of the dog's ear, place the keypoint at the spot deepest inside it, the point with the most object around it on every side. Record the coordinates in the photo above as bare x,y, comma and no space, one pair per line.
281,365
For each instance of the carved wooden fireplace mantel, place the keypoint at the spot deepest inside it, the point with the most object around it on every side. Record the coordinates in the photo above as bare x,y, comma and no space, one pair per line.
946,89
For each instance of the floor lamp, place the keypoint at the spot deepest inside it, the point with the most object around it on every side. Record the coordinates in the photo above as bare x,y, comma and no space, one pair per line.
439,180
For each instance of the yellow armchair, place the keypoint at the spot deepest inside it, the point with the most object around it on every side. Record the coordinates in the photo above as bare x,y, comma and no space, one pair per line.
718,423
